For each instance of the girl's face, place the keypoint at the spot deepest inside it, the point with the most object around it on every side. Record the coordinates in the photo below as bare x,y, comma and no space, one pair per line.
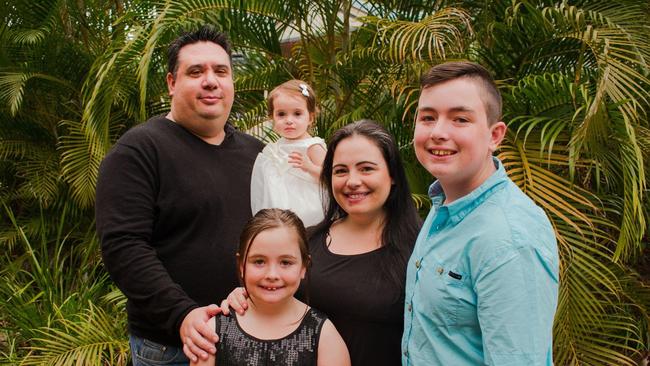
361,181
273,266
291,119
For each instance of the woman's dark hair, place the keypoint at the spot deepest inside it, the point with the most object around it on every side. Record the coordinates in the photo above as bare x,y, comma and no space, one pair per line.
402,222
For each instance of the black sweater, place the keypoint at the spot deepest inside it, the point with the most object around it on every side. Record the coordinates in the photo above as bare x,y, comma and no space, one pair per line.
170,208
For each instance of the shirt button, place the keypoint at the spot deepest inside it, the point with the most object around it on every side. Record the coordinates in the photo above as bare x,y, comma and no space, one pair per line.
410,307
440,270
406,353
417,263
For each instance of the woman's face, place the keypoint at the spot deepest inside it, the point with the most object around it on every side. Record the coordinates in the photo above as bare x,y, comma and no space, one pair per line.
360,179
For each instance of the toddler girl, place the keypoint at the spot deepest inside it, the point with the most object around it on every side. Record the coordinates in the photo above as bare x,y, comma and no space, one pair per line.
277,329
285,174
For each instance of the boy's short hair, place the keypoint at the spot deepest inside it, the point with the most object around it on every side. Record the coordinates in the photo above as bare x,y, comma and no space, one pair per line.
464,69
206,33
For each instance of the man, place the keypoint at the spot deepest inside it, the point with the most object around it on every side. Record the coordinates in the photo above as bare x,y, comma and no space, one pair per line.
172,197
482,282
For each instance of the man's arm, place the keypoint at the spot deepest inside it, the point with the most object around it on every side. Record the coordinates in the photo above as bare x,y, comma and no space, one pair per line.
516,300
125,213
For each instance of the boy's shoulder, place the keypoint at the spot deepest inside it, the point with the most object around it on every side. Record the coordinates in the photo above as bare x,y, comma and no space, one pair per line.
510,217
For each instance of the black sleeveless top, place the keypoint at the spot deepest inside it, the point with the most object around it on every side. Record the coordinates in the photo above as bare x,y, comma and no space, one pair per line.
299,348
366,309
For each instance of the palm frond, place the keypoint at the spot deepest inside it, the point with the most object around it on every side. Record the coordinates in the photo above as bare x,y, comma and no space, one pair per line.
91,338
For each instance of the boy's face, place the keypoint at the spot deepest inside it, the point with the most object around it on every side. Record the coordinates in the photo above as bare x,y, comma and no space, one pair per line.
452,138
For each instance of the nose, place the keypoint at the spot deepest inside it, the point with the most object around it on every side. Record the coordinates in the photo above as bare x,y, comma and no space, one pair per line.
210,81
439,130
354,180
272,273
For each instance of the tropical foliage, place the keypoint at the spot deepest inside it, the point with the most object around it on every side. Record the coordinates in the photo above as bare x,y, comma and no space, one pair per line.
74,75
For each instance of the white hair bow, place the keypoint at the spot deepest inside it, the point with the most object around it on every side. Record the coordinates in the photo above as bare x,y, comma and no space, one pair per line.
303,90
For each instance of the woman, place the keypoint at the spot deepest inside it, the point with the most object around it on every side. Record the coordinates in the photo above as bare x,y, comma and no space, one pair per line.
360,250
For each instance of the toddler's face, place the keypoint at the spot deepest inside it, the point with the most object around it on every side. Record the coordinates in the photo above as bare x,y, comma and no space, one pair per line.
291,119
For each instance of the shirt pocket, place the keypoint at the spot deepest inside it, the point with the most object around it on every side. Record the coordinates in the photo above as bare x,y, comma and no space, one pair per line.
451,297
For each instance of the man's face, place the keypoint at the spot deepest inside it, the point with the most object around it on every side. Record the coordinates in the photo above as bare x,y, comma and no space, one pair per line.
452,138
202,91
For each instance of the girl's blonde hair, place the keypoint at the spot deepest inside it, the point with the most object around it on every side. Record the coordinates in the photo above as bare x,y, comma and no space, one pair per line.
296,88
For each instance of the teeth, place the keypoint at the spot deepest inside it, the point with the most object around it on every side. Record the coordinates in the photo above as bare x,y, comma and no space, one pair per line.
357,195
441,152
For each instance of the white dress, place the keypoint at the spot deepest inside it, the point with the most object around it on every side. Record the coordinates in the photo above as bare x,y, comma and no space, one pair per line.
277,184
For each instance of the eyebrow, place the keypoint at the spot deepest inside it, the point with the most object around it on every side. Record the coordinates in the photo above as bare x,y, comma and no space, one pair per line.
359,163
201,66
255,256
460,108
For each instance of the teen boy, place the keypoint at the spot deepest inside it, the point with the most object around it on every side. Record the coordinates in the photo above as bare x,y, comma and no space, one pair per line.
482,282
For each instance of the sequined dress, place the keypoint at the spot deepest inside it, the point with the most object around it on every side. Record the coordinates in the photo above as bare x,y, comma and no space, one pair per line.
299,348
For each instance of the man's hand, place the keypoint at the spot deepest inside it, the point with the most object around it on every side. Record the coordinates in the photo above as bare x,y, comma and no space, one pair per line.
197,337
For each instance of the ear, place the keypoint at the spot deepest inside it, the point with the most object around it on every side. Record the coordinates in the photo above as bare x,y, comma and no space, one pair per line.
312,118
497,133
171,83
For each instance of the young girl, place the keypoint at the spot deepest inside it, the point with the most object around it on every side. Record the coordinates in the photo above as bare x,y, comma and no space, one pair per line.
277,329
285,174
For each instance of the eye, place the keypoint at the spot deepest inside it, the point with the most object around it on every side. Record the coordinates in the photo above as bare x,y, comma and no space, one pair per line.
426,117
367,168
339,171
222,71
280,114
461,119
286,263
298,113
258,262
194,72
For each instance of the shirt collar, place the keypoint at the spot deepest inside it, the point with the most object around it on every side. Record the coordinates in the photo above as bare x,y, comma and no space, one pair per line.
466,204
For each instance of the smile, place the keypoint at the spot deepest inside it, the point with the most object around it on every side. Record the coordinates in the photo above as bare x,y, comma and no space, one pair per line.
356,196
270,288
442,152
210,98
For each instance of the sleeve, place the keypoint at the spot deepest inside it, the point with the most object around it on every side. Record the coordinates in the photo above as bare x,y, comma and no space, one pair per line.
125,217
516,301
317,141
258,185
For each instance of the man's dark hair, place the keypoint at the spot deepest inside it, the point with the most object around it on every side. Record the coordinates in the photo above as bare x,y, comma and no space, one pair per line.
464,69
204,34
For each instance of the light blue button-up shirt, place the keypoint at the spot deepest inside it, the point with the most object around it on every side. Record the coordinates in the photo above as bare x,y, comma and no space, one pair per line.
482,282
